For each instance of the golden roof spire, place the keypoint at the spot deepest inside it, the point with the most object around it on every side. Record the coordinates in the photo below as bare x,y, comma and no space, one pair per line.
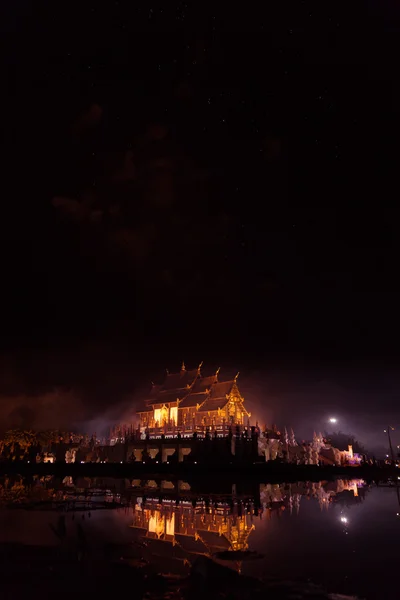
183,368
217,371
237,375
200,365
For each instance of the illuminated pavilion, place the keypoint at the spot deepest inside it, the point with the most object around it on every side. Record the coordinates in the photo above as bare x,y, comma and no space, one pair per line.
188,400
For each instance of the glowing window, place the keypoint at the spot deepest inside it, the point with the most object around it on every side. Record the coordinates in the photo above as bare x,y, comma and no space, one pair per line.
156,524
173,414
170,525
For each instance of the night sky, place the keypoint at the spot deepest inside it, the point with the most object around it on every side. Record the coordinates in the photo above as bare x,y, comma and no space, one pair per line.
182,182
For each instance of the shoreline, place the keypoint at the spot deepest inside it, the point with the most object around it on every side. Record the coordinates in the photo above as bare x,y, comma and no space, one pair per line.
274,473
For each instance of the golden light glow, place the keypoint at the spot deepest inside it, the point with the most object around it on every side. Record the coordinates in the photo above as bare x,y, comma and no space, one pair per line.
156,523
170,525
161,415
173,414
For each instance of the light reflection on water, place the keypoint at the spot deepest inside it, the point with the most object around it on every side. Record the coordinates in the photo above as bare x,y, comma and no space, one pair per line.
341,534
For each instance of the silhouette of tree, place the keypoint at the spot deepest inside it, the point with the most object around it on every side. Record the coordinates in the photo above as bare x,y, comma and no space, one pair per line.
21,442
342,440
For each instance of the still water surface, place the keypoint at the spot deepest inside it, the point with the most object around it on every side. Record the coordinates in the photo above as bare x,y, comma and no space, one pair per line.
342,535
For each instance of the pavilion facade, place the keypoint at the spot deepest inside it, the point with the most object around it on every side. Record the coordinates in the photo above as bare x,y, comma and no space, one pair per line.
188,400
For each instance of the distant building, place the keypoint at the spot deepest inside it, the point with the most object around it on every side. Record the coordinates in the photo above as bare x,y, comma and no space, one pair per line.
187,400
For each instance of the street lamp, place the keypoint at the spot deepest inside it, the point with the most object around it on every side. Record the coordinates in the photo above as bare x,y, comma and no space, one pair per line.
332,420
390,428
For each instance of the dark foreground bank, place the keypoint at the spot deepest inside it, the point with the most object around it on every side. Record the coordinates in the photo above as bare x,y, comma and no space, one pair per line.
50,570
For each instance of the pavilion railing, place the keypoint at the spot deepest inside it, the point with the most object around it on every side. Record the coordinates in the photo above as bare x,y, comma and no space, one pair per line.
171,432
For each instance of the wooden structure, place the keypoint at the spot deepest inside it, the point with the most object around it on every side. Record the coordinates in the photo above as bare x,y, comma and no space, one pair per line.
188,401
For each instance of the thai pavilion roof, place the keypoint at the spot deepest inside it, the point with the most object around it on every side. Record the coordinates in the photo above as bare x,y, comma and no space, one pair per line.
167,397
213,404
193,400
219,396
181,380
191,389
222,389
176,386
203,384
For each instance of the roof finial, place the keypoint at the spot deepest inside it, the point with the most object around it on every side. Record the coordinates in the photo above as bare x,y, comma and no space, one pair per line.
217,371
200,365
183,368
237,375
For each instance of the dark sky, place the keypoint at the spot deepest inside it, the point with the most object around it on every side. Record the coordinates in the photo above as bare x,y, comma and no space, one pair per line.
182,181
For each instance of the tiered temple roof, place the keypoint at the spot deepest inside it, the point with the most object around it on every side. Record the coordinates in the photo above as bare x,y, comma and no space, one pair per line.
191,390
177,381
193,400
218,396
167,397
204,384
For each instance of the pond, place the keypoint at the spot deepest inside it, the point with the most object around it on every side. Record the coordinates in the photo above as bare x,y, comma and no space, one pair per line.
310,539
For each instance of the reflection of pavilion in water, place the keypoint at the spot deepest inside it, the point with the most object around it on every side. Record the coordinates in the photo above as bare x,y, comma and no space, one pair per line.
182,531
174,531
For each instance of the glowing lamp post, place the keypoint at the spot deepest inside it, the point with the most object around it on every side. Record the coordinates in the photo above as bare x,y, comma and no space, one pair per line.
390,428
